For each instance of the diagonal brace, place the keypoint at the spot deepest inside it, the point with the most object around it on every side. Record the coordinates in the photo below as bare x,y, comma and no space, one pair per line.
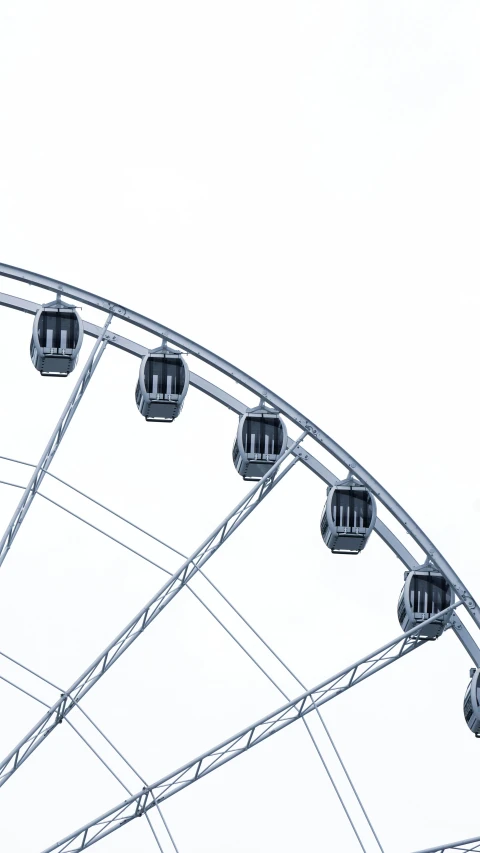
467,846
53,443
144,618
171,784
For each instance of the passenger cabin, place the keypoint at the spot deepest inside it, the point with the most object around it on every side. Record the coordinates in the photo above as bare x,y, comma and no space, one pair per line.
348,517
162,385
261,440
56,339
471,703
424,594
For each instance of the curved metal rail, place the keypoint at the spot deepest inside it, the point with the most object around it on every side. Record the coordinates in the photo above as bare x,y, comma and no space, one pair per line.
251,657
140,803
235,405
432,553
433,556
178,581
230,402
467,846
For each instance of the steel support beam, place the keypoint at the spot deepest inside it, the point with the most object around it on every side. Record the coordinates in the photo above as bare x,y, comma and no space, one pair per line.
53,443
141,802
144,618
465,638
307,459
277,402
230,402
467,846
239,408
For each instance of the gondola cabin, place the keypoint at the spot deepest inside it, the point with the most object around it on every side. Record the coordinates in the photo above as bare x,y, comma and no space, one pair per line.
56,339
261,439
162,385
471,703
424,594
348,517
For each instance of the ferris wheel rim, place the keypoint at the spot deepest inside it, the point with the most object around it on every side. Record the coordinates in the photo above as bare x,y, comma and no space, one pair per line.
235,405
433,555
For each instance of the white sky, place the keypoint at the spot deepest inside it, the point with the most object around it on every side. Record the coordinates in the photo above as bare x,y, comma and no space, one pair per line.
296,187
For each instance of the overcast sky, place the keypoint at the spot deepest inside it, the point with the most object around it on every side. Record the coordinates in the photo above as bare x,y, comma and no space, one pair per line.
295,186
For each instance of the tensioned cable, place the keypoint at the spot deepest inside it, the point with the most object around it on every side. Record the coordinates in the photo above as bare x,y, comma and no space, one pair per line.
118,541
115,775
137,553
93,500
94,724
102,760
89,524
228,369
282,662
171,548
22,690
303,686
137,774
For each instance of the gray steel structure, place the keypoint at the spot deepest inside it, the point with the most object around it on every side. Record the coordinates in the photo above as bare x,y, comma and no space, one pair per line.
54,442
239,743
433,557
434,560
141,621
469,845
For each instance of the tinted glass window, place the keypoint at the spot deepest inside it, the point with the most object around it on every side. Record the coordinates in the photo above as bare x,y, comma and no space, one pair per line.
58,329
429,595
351,508
262,435
164,375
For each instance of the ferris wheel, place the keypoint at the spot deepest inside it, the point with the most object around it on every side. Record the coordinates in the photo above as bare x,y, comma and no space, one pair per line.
269,442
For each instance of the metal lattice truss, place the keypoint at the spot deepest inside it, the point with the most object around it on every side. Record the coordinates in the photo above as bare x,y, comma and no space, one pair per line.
143,619
151,796
468,846
54,442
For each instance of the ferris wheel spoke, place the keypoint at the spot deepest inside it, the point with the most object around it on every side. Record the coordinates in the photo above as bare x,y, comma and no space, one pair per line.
332,782
307,459
242,741
115,776
285,695
456,624
285,408
87,743
467,846
53,443
455,620
459,628
434,559
252,658
303,686
145,617
226,399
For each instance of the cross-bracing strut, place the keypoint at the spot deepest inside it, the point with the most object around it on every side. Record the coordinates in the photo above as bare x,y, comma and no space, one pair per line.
54,442
469,845
144,618
254,734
